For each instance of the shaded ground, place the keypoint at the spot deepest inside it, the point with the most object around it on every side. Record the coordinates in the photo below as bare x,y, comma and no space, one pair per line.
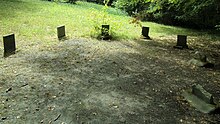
96,82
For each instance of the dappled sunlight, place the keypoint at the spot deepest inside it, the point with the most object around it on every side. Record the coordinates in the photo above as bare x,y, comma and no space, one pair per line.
84,80
88,80
115,102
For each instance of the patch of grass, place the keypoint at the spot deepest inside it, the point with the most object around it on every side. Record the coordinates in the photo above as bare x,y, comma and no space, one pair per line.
88,81
35,21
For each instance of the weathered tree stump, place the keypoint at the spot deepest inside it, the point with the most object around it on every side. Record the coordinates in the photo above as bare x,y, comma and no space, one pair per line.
200,60
9,45
105,32
181,42
145,32
202,100
200,56
61,33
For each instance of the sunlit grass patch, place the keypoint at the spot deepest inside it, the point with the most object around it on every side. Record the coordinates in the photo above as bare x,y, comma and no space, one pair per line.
37,20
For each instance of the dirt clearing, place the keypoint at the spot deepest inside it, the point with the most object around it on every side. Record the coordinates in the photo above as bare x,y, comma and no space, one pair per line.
85,81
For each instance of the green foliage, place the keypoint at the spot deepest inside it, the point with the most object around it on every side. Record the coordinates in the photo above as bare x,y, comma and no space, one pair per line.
99,18
72,1
131,6
193,13
67,1
35,21
101,2
201,13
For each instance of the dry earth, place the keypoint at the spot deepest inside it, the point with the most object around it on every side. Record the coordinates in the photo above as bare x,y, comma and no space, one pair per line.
84,81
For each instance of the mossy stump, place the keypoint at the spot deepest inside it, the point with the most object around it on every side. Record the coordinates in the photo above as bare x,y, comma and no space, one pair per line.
105,32
61,33
9,45
181,42
200,60
145,32
202,100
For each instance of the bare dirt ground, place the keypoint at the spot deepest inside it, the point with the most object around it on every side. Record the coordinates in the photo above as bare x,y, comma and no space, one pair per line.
82,81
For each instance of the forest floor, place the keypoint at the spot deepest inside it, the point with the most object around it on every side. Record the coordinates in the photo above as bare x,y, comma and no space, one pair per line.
85,81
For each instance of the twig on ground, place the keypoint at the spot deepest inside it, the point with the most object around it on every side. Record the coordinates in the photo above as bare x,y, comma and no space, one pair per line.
9,89
24,85
57,117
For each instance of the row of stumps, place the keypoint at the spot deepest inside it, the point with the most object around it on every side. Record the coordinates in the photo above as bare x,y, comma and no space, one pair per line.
197,96
181,39
10,46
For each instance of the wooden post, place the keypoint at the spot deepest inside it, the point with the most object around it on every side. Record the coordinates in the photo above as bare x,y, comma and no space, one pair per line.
9,45
181,42
145,32
61,32
105,32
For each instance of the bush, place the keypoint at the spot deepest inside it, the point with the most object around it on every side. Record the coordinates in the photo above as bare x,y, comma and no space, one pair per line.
101,2
72,1
190,13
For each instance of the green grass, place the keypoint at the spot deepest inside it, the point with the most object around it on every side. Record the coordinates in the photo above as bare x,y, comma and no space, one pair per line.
35,21
32,20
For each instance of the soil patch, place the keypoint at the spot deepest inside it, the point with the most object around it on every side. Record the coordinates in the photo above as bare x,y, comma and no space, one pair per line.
98,82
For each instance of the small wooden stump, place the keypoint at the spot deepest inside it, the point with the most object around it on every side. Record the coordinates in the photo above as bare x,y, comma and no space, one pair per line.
145,32
61,32
200,60
181,42
105,32
202,100
9,45
201,93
